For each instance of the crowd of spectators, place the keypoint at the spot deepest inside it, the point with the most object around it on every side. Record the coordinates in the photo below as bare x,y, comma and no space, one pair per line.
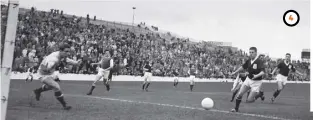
40,33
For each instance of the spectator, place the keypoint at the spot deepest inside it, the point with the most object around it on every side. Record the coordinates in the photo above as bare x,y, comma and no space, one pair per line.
42,33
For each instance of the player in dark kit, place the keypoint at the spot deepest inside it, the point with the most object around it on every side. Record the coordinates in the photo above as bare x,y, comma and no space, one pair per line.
147,75
118,66
106,64
253,82
240,79
284,68
175,73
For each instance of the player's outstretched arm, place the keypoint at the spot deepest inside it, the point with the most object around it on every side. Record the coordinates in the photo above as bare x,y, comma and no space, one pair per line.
238,70
144,68
73,62
299,73
258,75
293,69
98,63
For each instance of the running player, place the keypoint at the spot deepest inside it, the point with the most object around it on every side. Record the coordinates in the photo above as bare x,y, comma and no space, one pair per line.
46,74
284,68
255,69
147,76
237,85
176,74
117,67
192,73
106,64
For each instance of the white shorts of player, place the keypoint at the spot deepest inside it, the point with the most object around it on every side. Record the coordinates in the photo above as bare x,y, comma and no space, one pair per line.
238,86
255,85
43,77
28,71
176,79
192,79
148,76
104,73
49,79
281,78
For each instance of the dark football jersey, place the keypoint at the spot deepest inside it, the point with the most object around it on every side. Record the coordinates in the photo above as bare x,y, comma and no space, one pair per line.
147,66
175,73
254,68
284,68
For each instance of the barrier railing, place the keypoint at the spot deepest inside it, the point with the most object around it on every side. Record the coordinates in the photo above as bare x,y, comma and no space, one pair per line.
86,77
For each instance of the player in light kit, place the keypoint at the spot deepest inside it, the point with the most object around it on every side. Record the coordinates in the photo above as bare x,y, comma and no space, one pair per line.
106,64
147,76
192,73
175,73
284,68
255,69
46,73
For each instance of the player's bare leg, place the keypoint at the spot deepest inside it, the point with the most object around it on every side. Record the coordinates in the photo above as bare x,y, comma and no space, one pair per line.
31,77
147,86
146,83
106,83
242,91
234,94
38,91
93,86
248,95
260,95
143,85
50,84
281,86
175,82
251,97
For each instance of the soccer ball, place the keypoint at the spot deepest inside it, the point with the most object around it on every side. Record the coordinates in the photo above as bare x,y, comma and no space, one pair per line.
207,103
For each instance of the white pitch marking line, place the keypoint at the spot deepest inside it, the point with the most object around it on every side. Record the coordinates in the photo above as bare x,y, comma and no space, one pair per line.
177,106
206,93
209,93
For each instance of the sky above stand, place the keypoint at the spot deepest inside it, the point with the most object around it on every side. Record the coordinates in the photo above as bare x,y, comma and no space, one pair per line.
244,23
